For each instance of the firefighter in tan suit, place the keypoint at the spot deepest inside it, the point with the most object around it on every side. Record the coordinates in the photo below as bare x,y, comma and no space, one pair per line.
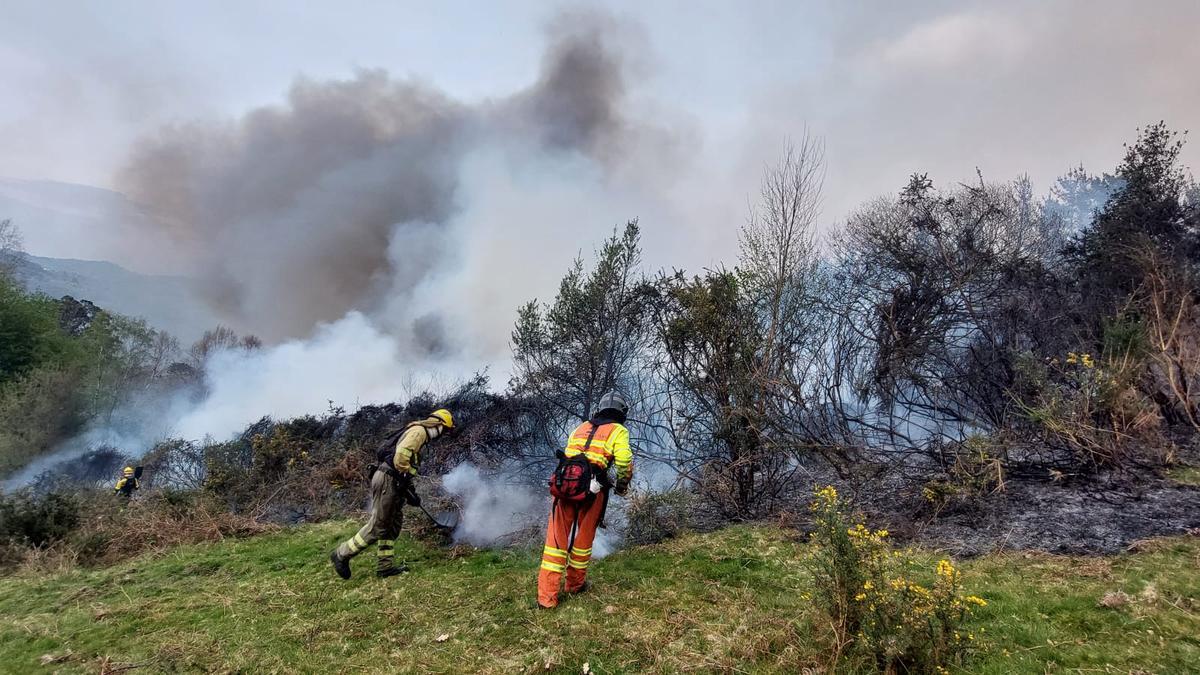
391,487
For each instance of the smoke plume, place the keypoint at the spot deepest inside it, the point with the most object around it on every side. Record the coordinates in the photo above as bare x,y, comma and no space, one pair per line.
493,510
343,198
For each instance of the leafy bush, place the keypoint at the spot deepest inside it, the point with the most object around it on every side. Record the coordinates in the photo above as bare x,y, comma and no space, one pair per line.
879,612
973,468
37,412
37,520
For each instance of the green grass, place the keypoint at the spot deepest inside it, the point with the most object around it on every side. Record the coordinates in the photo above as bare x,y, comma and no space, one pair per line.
1185,475
730,601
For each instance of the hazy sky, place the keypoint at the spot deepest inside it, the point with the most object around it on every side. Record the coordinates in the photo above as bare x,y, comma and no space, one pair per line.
943,87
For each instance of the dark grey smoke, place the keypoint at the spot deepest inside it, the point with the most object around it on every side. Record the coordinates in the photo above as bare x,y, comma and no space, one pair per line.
301,212
575,103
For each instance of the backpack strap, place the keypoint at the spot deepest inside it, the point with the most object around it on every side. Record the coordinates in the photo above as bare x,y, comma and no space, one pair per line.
591,435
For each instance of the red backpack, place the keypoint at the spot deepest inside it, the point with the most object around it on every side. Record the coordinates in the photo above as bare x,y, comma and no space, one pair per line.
572,478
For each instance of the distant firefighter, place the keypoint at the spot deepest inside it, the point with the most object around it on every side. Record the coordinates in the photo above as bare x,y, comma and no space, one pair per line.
127,483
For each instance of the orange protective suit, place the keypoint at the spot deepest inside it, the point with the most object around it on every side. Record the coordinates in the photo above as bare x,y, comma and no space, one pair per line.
556,556
609,446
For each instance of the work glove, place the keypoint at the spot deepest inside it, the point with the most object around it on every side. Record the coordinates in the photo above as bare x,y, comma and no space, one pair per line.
622,487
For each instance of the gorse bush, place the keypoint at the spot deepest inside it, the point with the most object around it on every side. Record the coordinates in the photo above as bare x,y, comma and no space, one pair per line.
1091,408
879,612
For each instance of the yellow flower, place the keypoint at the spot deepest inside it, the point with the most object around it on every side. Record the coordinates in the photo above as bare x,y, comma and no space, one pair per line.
868,585
945,569
858,531
1072,358
826,498
881,533
1087,361
976,600
860,597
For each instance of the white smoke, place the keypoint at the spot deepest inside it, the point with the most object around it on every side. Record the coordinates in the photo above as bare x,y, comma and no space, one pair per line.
349,363
135,444
491,509
494,508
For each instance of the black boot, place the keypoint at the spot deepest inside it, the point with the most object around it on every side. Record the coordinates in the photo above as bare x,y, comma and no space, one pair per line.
391,570
340,565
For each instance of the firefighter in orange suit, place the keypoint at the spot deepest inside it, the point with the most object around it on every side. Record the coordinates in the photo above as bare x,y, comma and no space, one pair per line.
604,441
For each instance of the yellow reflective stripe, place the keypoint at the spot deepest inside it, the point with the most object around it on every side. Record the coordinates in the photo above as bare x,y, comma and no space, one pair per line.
593,457
553,567
387,542
554,551
580,551
578,564
353,546
358,539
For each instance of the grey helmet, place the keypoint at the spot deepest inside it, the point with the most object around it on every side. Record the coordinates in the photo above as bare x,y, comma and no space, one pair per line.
613,401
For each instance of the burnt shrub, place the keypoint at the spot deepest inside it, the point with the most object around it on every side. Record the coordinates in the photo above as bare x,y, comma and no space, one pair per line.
652,517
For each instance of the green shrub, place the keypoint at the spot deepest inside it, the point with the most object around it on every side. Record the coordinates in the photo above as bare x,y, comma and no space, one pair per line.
37,412
29,333
37,520
880,614
974,469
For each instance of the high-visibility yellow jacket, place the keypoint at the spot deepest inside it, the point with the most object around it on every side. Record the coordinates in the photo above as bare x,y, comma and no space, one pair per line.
609,447
408,449
126,485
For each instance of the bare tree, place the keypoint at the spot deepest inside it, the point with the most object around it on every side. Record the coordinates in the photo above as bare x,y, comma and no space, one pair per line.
737,348
221,338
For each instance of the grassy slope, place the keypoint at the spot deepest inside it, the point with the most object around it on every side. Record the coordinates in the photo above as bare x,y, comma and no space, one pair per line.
729,601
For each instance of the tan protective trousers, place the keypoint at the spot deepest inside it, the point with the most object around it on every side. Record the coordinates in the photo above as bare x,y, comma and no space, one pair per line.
382,528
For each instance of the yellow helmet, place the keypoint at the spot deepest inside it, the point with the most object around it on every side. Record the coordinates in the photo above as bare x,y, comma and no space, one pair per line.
444,416
128,471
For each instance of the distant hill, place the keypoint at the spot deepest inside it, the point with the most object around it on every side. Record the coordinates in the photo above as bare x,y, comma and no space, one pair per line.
165,302
87,225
